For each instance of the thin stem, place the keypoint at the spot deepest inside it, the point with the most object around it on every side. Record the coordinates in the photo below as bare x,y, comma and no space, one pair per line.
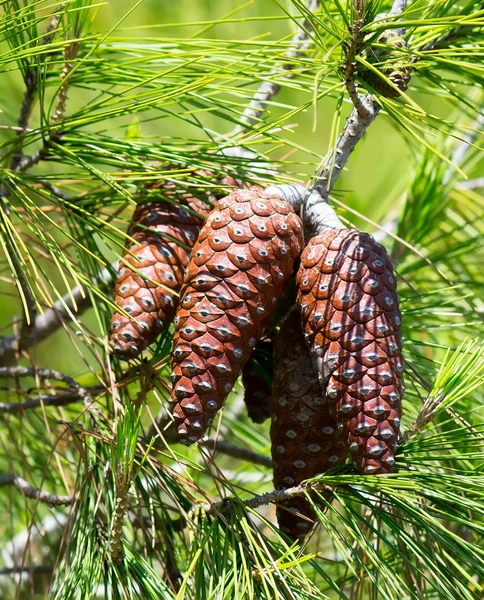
238,452
63,399
275,497
40,373
34,493
25,111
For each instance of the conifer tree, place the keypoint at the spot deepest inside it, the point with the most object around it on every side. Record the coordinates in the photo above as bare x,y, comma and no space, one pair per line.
108,106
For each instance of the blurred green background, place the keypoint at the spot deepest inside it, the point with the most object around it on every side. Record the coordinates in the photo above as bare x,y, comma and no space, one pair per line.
377,172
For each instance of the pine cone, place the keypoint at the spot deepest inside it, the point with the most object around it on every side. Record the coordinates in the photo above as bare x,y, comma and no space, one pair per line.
256,377
237,271
349,305
305,438
399,71
147,286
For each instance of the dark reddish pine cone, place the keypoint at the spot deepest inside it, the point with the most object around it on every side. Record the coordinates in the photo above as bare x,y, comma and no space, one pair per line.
257,381
148,283
349,306
305,438
237,270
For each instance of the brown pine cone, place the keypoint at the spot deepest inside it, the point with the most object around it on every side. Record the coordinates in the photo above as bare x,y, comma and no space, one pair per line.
349,306
305,438
147,286
257,380
398,72
237,270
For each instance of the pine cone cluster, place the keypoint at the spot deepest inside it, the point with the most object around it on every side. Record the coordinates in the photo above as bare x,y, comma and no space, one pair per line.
398,72
335,360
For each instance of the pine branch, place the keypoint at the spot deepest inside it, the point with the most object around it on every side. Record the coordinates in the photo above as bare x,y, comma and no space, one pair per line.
19,165
34,493
70,55
30,94
273,497
63,399
355,130
267,90
351,51
238,452
332,166
54,190
76,301
40,373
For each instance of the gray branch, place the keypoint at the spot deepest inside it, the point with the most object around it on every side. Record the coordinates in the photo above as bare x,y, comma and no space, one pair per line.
34,493
398,7
267,89
48,323
332,166
64,399
40,373
274,497
238,452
